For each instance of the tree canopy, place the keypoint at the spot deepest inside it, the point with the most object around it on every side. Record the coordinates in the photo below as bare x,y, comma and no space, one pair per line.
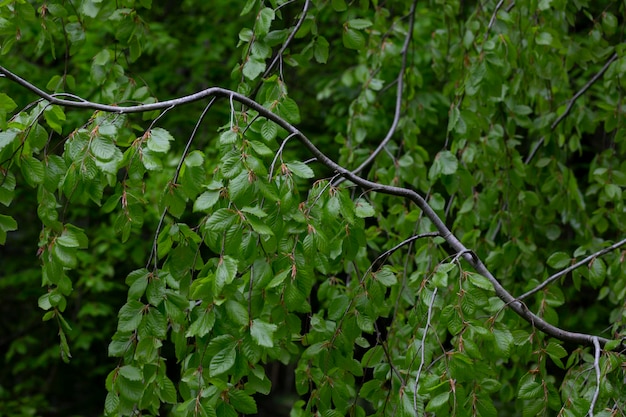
313,208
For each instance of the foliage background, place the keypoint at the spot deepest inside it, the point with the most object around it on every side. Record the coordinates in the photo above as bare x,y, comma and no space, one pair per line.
510,123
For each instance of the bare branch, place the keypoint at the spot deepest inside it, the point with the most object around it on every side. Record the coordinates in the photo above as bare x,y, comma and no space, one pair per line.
493,18
596,366
423,349
383,256
153,254
570,104
516,305
570,269
399,91
280,52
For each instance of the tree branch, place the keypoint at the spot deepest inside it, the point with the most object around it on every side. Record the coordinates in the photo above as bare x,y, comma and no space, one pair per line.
399,91
423,348
570,269
280,52
570,104
596,366
516,305
493,18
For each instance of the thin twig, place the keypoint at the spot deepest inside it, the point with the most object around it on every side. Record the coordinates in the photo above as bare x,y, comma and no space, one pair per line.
570,104
516,305
399,91
493,18
383,256
154,253
287,42
423,349
570,269
277,155
596,365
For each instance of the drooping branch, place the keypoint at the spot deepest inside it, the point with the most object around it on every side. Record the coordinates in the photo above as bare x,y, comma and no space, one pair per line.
493,18
516,305
399,91
570,268
423,347
287,42
570,104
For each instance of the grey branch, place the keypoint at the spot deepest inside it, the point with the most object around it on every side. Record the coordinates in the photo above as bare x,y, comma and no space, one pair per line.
399,90
596,367
423,347
570,104
516,305
569,269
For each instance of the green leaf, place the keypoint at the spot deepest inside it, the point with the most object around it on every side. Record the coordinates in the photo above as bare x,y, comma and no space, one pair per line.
438,401
445,163
300,169
263,332
544,38
559,260
7,105
238,313
353,39
288,110
226,271
103,148
364,209
206,200
504,341
130,316
359,23
159,140
528,388
131,372
556,353
111,403
202,325
264,21
55,117
386,277
279,278
269,130
7,224
33,170
320,50
7,138
223,361
167,391
479,281
597,272
242,402
220,220
253,68
72,237
228,137
260,148
339,5
259,227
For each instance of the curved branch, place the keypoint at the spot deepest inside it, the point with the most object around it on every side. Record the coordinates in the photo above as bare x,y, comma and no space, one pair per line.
399,91
280,52
383,256
570,269
516,305
570,104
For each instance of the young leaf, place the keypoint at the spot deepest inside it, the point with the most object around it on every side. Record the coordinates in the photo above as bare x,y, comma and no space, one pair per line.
300,169
159,140
263,332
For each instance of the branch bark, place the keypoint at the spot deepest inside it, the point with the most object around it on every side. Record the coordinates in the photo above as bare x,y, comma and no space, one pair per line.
515,304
